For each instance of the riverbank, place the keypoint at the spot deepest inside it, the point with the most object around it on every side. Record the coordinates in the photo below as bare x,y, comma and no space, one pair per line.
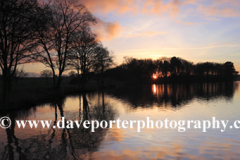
38,96
29,92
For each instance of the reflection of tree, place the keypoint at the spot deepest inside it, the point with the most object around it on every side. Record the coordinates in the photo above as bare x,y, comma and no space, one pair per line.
175,95
12,140
74,143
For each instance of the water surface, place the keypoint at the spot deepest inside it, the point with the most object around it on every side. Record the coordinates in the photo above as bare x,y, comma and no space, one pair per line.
175,102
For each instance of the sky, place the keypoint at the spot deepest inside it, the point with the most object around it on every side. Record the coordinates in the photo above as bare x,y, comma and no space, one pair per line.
195,30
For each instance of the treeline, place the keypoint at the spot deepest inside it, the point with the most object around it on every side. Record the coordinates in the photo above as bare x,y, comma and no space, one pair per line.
56,33
168,70
174,95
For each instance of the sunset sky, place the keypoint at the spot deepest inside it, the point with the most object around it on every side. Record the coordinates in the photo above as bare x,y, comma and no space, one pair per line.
196,30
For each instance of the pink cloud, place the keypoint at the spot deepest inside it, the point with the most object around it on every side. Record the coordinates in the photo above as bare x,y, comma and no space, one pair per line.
134,6
219,11
230,2
106,6
187,23
107,30
220,8
110,30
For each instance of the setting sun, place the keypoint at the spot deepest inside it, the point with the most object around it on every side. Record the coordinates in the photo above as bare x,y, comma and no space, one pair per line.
154,76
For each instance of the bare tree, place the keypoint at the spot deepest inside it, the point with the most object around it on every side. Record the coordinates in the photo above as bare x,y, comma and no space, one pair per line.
72,74
19,74
18,22
103,60
46,73
65,19
83,52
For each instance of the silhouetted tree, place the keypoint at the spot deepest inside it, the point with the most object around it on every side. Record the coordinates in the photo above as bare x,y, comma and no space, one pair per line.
175,65
102,61
229,71
173,69
83,52
18,23
46,74
65,19
19,74
165,67
72,74
187,66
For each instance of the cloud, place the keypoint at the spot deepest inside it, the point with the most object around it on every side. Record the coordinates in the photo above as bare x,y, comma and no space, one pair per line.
187,23
135,6
185,48
230,2
219,11
107,30
147,33
104,30
218,8
106,6
156,7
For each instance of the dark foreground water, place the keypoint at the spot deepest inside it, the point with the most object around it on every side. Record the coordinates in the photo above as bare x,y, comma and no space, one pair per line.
175,102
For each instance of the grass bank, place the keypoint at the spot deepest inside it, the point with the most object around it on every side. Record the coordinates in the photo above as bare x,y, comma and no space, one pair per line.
28,92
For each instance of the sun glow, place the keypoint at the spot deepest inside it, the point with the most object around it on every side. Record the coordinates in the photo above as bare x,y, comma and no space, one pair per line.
154,76
154,88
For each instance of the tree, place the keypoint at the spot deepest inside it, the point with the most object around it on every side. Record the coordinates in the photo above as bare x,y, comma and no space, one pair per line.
18,22
83,52
229,71
187,67
103,60
19,74
46,74
175,65
165,65
72,74
65,19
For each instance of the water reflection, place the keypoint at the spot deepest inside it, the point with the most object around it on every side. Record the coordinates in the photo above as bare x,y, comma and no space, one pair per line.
54,143
176,95
80,143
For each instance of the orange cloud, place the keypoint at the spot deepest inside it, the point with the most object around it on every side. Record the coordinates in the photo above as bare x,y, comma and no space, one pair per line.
219,11
107,30
156,7
187,23
231,2
134,6
106,6
148,33
221,8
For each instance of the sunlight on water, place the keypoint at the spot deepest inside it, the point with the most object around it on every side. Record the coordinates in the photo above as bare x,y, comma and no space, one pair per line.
175,102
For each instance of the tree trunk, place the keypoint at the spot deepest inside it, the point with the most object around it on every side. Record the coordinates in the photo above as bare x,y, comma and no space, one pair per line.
85,107
103,105
6,85
5,89
102,70
59,81
54,78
